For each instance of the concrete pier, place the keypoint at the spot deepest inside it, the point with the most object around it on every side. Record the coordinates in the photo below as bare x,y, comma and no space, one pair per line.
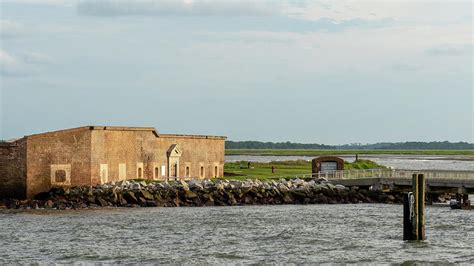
391,184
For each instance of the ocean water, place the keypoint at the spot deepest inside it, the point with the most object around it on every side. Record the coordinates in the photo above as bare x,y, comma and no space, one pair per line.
359,233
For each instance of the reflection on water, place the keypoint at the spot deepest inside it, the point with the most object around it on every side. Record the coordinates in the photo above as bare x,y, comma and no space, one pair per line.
403,162
249,234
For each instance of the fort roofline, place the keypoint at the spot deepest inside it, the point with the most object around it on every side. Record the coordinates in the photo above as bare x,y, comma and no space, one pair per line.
116,128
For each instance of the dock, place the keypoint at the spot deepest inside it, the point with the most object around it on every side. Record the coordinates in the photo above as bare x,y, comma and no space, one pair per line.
438,182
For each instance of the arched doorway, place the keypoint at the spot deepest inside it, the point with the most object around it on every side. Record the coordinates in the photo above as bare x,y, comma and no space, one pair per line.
174,153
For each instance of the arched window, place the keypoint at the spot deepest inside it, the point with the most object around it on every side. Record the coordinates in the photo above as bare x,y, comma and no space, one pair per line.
157,172
202,171
215,171
140,172
187,171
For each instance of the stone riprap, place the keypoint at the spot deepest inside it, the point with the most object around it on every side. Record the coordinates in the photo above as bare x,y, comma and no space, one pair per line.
201,193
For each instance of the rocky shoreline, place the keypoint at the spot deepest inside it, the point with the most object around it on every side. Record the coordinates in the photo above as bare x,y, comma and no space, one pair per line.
201,193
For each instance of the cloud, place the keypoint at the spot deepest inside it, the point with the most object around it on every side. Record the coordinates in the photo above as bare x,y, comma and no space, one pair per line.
36,58
11,29
450,50
404,67
9,65
178,8
24,65
68,3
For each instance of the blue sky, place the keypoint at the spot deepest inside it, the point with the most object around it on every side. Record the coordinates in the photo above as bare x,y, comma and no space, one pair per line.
305,71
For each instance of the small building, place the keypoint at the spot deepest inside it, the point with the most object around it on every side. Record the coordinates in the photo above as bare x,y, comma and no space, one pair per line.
327,164
93,155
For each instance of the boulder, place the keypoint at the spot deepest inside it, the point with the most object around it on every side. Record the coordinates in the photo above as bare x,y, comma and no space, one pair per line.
190,194
287,199
195,185
282,188
130,197
151,203
57,191
101,202
208,183
145,194
135,186
391,198
142,201
300,192
42,196
184,185
122,183
48,204
298,182
91,199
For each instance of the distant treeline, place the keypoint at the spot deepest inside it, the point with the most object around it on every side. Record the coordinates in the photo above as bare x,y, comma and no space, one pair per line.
409,145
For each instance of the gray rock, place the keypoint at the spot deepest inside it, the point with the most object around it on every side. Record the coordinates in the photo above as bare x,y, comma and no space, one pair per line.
184,185
298,182
195,185
101,202
130,197
146,195
282,188
135,186
190,195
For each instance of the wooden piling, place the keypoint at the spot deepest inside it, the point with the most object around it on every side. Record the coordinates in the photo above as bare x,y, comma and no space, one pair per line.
414,210
407,216
420,200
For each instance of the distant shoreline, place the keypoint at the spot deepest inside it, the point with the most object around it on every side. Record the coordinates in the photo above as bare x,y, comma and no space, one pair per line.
313,152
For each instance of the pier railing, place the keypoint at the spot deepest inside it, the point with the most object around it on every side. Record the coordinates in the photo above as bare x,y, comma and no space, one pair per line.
386,173
370,173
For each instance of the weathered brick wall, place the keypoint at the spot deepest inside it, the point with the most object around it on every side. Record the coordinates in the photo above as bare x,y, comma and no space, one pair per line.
114,147
197,151
13,169
85,152
67,147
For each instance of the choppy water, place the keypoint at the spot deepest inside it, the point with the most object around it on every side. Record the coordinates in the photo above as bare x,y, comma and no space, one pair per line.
404,162
252,234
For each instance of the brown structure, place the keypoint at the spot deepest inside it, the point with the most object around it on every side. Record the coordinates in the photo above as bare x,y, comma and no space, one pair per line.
327,164
98,154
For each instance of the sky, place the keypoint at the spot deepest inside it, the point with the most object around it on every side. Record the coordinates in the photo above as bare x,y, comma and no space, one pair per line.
329,72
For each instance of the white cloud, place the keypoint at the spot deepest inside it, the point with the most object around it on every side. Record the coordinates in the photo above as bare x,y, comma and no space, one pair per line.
403,67
26,64
11,29
36,58
9,65
403,12
178,8
450,50
68,3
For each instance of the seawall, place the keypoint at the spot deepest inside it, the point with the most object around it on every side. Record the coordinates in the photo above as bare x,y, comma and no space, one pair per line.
201,193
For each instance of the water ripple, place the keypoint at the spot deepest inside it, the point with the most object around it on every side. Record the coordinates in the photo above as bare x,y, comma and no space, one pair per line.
363,233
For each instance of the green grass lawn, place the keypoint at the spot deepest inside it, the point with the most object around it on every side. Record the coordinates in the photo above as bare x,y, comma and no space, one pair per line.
308,152
263,171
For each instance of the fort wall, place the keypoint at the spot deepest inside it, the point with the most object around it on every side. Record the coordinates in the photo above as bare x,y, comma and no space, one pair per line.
202,155
61,158
13,169
96,154
143,154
